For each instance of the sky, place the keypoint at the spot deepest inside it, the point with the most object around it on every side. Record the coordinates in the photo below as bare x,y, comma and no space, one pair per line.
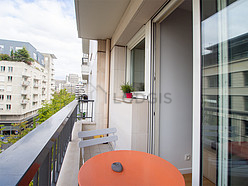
49,25
233,19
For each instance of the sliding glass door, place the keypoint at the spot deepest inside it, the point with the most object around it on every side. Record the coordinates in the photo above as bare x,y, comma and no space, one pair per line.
224,39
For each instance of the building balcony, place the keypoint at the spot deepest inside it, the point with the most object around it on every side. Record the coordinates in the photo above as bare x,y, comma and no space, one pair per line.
36,85
25,74
85,70
25,83
24,92
24,101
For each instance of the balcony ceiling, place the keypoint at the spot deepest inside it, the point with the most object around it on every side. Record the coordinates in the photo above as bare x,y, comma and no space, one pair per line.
98,19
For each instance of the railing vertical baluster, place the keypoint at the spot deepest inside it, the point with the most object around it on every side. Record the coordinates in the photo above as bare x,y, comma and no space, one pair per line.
92,112
45,171
57,160
54,163
87,109
35,179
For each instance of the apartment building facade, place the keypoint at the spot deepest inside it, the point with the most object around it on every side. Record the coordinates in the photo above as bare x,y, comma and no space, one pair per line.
23,87
6,46
49,66
188,63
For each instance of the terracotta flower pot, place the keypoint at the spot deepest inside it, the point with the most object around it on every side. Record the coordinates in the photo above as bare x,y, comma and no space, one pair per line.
128,95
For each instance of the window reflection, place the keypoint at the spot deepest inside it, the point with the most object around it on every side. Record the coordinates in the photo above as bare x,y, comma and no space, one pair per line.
225,91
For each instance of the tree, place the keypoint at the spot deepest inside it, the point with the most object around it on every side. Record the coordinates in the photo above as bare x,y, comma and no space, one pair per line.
22,55
1,136
59,100
4,57
23,129
48,109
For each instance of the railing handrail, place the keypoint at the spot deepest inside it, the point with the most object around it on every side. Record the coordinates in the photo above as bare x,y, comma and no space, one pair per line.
28,153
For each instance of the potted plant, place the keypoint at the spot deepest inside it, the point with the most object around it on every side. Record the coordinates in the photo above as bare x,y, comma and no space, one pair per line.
127,89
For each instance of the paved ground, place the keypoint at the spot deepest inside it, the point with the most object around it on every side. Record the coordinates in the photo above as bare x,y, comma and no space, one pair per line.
89,152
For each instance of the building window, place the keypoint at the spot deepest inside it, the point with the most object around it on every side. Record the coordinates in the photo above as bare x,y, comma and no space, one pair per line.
1,97
1,47
2,68
18,48
10,78
213,81
35,56
246,128
246,103
10,69
246,78
1,106
8,97
8,107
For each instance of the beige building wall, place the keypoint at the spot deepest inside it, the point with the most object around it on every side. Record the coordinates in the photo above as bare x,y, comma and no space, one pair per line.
49,66
25,90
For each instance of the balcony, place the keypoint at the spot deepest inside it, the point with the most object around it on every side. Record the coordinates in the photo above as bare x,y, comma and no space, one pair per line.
24,102
25,74
85,70
25,83
38,156
24,92
36,85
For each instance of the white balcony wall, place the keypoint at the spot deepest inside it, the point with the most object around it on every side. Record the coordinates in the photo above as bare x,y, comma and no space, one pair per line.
129,117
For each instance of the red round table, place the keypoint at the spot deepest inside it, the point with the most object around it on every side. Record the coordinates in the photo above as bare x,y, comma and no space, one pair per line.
139,168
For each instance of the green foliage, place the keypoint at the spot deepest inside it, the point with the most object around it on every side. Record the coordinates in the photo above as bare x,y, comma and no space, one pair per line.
127,88
1,142
59,100
4,57
20,55
23,129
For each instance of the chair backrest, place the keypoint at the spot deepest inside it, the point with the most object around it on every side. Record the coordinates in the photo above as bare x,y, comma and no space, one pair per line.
96,141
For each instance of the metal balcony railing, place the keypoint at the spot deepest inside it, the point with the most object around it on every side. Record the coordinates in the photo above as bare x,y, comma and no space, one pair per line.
25,83
38,156
24,102
85,108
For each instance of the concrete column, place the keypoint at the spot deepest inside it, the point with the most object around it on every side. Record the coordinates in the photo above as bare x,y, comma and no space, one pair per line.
101,92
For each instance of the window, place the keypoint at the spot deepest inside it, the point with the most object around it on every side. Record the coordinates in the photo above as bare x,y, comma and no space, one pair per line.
246,103
137,66
246,78
1,97
10,78
2,78
10,69
8,97
9,88
35,56
1,47
246,127
213,81
222,157
2,68
8,107
1,106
